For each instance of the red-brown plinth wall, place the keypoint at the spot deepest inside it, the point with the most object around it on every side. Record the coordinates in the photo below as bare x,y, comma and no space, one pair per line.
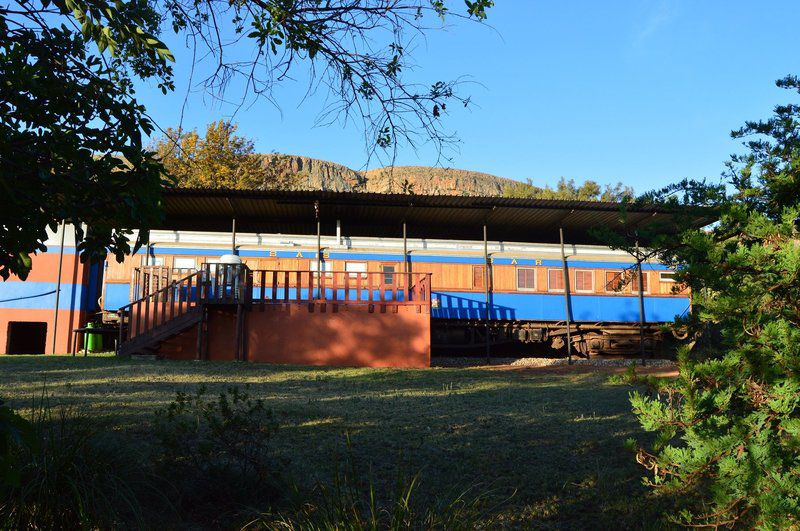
351,336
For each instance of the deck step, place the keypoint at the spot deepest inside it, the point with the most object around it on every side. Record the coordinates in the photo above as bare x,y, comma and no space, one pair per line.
144,345
144,357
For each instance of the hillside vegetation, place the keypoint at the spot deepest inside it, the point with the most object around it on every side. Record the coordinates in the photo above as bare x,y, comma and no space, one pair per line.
223,159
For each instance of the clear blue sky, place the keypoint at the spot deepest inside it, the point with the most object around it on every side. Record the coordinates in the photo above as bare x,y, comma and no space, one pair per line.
644,92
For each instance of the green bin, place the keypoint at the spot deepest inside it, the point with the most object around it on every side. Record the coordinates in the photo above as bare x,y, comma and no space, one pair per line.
94,342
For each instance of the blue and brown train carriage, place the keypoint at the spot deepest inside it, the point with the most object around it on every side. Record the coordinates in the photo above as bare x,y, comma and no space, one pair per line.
495,266
530,304
360,279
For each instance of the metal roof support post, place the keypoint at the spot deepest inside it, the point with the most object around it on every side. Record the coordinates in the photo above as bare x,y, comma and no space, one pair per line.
406,268
58,284
233,235
319,249
641,301
567,308
405,248
486,290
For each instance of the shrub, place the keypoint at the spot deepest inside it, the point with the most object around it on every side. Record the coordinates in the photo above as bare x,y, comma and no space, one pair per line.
64,473
217,450
350,502
15,431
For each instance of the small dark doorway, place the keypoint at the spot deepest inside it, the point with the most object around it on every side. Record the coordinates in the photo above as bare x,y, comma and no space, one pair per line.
26,338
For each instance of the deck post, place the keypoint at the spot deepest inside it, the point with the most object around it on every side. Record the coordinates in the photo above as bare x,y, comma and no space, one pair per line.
58,285
641,301
119,335
567,309
486,290
199,349
245,335
237,347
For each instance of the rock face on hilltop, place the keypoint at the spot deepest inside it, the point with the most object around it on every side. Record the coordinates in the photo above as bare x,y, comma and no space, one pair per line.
305,173
313,174
434,181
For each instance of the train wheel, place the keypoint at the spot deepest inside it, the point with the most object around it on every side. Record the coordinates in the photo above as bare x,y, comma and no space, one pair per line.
581,347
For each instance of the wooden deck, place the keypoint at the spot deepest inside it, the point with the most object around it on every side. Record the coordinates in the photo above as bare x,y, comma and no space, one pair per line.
169,307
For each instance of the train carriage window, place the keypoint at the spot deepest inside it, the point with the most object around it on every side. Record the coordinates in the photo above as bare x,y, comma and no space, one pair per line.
326,267
526,278
388,274
478,276
635,281
615,281
354,268
153,260
666,276
555,280
184,263
584,280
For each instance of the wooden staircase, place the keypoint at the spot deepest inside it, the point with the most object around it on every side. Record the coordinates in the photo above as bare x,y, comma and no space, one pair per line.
180,305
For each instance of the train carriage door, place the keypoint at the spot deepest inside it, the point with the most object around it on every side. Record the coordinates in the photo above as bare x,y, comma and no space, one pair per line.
478,277
388,277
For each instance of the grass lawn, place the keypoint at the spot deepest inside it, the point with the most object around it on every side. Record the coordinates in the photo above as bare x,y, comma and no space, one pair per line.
550,440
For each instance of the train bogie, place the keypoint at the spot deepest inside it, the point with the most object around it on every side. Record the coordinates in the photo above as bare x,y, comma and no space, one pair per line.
513,338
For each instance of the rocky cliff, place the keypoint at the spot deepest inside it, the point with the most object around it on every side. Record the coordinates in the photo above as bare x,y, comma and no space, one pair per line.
434,181
306,173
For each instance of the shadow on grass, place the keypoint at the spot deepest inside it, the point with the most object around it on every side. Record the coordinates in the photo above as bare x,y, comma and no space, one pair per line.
554,440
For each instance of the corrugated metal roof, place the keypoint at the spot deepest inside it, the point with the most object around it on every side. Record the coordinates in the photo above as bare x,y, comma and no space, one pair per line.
382,215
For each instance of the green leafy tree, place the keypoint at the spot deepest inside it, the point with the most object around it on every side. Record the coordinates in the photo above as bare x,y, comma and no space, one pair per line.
728,428
221,159
71,128
567,189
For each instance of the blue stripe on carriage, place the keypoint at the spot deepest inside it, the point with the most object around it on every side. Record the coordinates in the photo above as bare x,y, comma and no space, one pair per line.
550,307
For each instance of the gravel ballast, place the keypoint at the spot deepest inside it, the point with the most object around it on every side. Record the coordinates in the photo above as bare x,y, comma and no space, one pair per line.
545,362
